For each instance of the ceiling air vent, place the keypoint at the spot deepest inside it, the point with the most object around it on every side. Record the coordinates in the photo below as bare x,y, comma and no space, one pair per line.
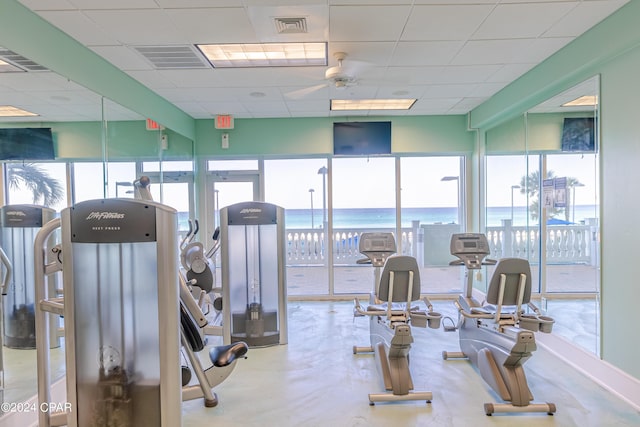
173,57
291,25
20,61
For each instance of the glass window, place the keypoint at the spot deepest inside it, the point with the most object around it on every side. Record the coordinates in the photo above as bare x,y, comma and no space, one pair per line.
364,199
513,209
572,247
431,210
232,165
88,180
43,184
306,219
168,166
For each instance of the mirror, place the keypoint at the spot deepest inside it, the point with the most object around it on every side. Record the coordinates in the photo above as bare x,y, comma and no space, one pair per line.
542,204
562,139
101,147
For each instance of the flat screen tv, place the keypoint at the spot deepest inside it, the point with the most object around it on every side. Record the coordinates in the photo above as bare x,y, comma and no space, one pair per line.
26,144
361,138
578,134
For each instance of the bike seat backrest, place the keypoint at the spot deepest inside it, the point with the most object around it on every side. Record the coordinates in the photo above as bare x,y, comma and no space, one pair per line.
401,265
511,268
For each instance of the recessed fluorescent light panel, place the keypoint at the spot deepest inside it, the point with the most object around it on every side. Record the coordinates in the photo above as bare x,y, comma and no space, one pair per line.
583,101
265,55
11,111
5,67
371,104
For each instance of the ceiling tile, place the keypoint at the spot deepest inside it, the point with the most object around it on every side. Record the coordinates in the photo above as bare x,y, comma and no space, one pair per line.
425,53
522,20
445,22
382,23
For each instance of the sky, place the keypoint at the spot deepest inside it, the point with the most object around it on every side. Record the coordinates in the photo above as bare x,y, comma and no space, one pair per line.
358,182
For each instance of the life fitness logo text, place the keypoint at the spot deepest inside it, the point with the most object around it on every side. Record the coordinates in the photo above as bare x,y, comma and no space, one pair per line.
105,215
16,213
250,210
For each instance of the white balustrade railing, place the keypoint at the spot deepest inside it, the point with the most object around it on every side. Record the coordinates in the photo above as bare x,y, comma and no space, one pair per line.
309,246
566,244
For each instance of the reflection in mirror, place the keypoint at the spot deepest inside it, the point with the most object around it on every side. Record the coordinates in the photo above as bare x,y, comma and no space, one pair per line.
100,148
562,134
542,177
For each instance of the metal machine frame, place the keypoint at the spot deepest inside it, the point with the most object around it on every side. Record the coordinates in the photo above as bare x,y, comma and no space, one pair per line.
392,312
108,227
253,254
19,226
497,336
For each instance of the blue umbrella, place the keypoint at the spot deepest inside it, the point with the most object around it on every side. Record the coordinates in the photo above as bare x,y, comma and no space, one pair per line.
557,221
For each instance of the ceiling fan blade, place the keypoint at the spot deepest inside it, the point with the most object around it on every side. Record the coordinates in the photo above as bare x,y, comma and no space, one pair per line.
301,93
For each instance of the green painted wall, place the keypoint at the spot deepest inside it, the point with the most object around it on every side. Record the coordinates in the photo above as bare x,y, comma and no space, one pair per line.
537,133
126,140
612,50
620,175
314,136
507,138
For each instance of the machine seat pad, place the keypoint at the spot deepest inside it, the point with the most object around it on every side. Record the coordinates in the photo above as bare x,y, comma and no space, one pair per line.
224,355
396,308
507,312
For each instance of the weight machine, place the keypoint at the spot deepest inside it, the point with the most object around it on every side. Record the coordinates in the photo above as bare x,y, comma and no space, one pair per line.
253,274
18,228
124,318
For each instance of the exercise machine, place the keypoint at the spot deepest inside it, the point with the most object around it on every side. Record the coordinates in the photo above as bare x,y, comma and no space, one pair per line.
198,269
392,311
222,357
3,291
196,282
125,320
254,289
497,336
121,313
18,228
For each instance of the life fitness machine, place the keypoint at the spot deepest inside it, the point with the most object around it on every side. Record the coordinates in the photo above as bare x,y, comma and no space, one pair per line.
198,269
18,228
3,291
497,336
195,285
193,320
254,290
121,312
392,311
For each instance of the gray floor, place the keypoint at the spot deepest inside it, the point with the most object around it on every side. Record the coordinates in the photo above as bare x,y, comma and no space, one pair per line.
316,380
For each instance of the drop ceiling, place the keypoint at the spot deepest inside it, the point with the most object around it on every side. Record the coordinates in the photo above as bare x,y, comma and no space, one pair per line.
449,55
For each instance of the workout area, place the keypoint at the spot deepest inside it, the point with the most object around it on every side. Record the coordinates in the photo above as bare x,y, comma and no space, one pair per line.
404,214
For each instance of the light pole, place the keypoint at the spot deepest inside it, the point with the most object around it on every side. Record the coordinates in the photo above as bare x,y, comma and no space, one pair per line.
311,195
513,187
573,200
323,171
457,180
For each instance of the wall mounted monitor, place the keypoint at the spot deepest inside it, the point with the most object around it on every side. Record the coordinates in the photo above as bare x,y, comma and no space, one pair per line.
26,144
361,138
578,134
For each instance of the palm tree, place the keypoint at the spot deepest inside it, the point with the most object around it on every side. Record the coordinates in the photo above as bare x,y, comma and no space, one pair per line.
46,190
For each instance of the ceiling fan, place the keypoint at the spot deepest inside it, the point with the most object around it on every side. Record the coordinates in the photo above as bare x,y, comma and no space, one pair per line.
340,76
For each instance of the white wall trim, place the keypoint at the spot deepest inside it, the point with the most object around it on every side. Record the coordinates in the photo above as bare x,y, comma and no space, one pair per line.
605,374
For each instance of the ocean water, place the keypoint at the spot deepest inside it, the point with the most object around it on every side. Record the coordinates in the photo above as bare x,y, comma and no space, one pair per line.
385,217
